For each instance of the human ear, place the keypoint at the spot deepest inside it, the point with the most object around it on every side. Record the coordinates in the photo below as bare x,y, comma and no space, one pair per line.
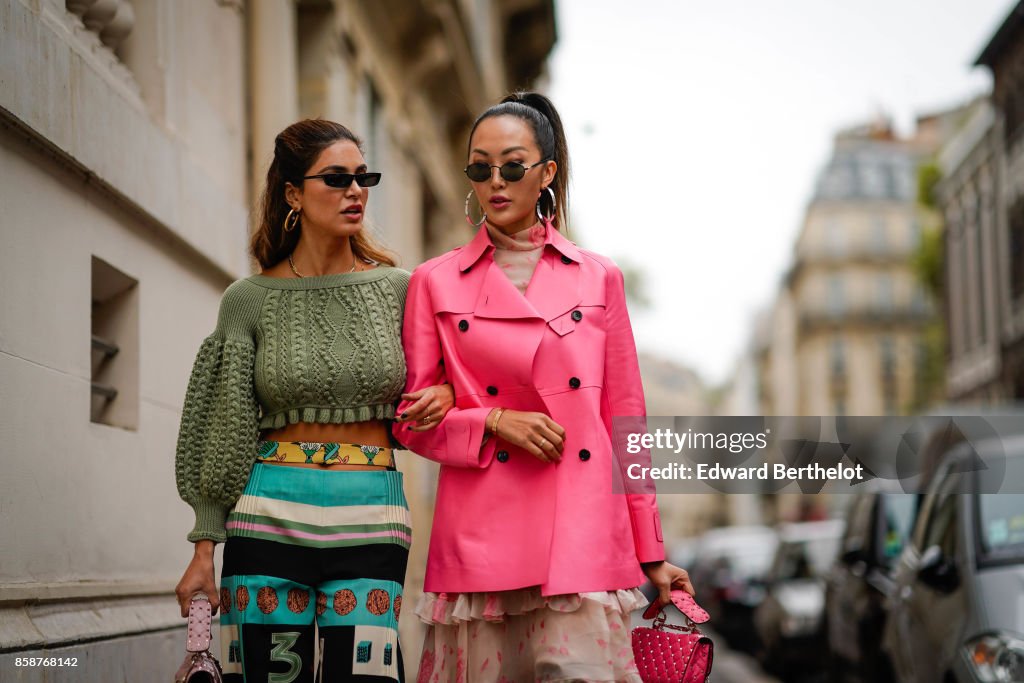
550,169
292,195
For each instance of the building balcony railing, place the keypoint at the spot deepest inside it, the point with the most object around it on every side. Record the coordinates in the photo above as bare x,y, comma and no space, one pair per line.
810,318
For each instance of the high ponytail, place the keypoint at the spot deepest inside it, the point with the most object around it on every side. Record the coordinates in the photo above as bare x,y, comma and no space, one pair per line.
538,111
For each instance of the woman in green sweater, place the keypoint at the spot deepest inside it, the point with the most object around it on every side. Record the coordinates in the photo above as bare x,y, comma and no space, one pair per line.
284,450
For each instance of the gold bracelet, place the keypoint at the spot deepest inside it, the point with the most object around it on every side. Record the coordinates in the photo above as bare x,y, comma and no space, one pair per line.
497,416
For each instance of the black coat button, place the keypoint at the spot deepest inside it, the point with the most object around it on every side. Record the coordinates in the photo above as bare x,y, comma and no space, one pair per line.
566,260
493,391
584,454
574,382
502,456
463,325
577,315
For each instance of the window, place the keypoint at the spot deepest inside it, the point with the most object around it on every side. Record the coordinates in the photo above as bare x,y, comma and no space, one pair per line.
838,358
1001,529
879,235
872,179
941,527
887,353
887,363
838,376
904,181
835,237
884,293
896,523
979,271
836,302
1017,249
1013,107
115,347
914,233
858,530
373,124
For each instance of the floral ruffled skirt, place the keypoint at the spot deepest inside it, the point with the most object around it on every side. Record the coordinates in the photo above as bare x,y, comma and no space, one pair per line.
521,636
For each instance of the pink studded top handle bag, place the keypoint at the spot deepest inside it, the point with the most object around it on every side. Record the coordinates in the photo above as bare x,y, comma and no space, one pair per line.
199,665
674,654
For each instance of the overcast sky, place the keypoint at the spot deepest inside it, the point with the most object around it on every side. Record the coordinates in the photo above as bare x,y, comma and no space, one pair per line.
696,130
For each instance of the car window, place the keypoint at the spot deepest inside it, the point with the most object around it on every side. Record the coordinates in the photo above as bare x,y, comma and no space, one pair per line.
942,518
926,504
805,559
897,519
859,525
1001,527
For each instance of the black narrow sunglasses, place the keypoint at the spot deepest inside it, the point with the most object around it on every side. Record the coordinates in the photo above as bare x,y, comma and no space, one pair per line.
345,179
510,170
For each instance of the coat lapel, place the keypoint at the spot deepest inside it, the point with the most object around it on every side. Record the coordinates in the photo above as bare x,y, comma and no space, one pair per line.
498,297
554,289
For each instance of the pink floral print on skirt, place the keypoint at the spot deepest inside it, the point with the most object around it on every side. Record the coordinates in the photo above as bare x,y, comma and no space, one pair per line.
521,636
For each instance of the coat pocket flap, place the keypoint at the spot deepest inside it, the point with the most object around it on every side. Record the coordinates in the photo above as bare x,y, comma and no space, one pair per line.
563,324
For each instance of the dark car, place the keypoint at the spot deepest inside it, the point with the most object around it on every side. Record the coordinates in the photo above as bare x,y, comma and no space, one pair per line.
728,574
878,523
789,620
957,609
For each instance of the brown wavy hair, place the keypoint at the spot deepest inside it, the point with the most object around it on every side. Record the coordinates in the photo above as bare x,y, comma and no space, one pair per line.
295,150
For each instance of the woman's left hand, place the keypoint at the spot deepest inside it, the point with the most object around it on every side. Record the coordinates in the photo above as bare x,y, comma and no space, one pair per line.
667,577
430,407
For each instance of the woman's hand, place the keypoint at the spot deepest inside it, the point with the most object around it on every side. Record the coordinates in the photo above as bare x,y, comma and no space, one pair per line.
534,432
198,578
430,407
667,577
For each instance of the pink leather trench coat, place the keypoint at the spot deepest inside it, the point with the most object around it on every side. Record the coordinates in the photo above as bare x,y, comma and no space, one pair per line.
503,519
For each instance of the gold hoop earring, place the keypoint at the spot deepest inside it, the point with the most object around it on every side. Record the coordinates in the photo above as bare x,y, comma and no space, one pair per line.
470,220
291,220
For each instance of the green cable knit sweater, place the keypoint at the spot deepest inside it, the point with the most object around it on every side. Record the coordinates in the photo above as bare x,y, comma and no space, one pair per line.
324,349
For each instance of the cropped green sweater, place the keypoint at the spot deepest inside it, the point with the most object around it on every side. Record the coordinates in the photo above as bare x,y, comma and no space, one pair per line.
325,349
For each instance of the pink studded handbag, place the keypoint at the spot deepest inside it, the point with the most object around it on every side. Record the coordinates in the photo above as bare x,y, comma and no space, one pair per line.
199,665
666,657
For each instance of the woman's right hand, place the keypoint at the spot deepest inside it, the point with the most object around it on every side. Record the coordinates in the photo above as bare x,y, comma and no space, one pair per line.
198,578
534,432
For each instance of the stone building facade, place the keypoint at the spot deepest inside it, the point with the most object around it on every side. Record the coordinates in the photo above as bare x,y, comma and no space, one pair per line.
982,197
133,140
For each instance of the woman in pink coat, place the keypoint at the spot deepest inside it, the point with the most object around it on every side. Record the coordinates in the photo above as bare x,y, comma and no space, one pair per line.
534,559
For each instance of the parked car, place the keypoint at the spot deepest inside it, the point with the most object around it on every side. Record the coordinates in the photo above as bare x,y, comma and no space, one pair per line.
878,524
957,609
789,621
728,574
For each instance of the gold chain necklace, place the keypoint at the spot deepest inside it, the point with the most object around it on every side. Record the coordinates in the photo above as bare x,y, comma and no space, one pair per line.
298,274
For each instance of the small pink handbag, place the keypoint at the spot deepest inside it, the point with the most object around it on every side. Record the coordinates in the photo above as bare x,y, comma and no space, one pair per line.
199,666
666,657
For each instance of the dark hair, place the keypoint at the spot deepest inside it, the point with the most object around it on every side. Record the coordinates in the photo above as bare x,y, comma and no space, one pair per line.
295,150
540,113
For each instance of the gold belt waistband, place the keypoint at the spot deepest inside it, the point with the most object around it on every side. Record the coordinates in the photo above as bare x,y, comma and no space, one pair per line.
324,453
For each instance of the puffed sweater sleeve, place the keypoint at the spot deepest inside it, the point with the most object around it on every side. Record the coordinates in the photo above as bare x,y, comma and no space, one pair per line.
624,396
219,428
